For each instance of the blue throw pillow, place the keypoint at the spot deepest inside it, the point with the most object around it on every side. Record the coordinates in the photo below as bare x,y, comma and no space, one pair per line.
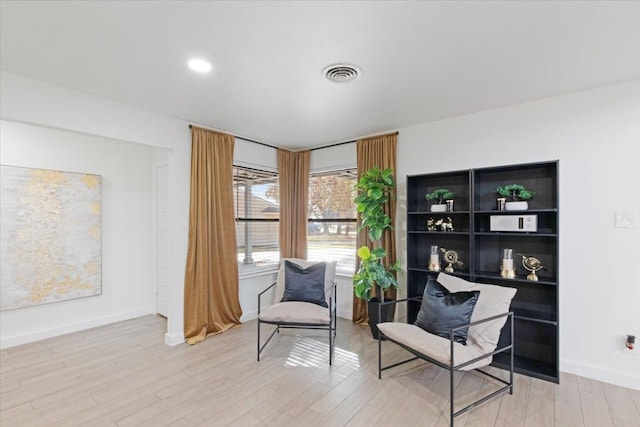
442,310
304,284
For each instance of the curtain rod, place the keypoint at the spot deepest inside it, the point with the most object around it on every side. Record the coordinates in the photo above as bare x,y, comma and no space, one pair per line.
332,145
351,142
245,139
311,149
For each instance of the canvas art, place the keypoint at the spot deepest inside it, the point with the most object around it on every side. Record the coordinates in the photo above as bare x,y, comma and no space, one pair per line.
50,236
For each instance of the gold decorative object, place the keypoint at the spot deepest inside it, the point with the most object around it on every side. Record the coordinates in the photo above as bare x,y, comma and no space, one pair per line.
507,271
434,259
451,257
440,224
446,225
532,264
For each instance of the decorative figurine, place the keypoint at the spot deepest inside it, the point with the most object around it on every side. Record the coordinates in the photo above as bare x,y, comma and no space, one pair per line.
451,257
440,225
532,264
448,225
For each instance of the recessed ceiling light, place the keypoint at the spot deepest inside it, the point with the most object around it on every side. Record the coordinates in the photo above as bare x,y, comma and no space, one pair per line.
200,65
341,73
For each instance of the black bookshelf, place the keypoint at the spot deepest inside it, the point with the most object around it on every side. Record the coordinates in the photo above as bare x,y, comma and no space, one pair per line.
535,305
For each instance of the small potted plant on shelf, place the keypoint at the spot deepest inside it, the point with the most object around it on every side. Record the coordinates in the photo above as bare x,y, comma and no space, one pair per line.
373,193
441,198
517,196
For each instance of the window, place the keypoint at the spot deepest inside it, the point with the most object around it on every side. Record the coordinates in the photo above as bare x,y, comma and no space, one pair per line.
332,218
257,215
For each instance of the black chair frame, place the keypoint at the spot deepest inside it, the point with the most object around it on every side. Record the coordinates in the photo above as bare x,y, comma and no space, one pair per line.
452,367
331,327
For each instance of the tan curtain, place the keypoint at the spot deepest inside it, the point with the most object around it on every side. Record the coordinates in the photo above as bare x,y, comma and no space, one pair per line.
293,177
211,303
377,152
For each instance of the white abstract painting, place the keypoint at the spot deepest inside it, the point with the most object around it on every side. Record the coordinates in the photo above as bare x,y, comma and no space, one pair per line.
50,236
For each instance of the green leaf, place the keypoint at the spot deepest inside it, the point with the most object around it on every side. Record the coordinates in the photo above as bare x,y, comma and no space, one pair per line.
375,234
374,193
364,252
387,177
515,192
379,252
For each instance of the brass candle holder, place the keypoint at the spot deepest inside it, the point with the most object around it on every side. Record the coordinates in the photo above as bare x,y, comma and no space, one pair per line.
434,259
507,271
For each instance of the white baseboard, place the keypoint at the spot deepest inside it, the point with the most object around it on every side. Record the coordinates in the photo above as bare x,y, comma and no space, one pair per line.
249,316
611,376
344,314
173,340
6,342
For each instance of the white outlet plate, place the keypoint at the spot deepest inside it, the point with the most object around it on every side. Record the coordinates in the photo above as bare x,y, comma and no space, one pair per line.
626,219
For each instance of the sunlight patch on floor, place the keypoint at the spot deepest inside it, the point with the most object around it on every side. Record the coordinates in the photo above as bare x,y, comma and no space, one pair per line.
308,352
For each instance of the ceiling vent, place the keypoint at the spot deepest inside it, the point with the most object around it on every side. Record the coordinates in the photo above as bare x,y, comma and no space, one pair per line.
341,73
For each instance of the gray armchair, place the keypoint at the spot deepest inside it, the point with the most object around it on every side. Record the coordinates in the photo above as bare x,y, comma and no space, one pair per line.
462,344
304,298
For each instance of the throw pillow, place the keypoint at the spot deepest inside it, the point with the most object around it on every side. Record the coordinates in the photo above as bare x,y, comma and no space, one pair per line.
304,284
442,310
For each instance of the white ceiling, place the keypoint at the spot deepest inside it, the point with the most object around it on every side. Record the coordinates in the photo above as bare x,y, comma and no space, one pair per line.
420,61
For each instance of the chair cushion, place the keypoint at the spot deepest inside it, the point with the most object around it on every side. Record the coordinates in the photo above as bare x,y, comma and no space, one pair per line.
442,310
329,275
296,312
493,300
433,346
304,284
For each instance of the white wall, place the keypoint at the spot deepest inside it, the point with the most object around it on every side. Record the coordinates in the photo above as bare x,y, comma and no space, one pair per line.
127,289
252,155
596,137
84,117
333,158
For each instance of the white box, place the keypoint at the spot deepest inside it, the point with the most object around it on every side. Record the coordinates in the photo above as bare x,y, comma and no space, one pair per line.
524,223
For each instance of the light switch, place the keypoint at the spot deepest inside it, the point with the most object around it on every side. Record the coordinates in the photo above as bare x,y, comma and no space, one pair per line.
626,219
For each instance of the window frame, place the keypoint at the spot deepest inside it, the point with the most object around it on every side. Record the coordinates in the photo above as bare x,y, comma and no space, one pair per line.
246,177
351,172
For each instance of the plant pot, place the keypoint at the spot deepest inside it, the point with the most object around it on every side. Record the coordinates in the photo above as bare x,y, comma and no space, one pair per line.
516,206
388,313
439,208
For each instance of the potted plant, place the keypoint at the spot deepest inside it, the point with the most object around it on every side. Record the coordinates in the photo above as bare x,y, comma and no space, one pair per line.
373,193
439,196
518,197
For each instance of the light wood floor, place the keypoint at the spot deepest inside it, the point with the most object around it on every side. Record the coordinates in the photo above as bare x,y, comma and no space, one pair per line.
124,375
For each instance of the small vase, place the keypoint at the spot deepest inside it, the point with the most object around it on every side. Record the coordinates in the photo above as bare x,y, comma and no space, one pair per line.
516,206
438,208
